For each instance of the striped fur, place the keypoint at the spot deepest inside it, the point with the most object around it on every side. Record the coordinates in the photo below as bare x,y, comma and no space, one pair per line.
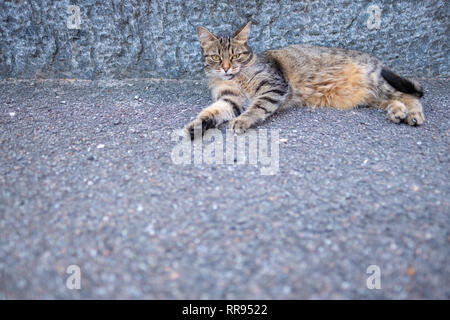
299,75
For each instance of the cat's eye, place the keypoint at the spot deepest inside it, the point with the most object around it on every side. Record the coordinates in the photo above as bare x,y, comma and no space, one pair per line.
216,57
235,56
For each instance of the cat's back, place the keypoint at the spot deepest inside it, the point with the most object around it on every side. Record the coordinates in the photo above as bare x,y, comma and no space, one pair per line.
300,57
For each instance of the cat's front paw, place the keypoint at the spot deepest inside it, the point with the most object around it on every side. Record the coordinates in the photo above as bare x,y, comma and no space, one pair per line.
198,127
240,124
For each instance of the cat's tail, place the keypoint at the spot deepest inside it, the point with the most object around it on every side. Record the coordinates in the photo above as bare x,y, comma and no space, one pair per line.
402,84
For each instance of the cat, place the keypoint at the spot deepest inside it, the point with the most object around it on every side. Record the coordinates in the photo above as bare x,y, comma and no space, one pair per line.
302,75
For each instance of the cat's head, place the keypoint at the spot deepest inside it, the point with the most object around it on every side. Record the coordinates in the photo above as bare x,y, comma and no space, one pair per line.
224,57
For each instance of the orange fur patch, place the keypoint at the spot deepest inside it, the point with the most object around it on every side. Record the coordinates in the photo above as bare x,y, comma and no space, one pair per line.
342,88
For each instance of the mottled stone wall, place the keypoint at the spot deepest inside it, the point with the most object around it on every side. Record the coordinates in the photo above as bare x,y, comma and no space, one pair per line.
143,39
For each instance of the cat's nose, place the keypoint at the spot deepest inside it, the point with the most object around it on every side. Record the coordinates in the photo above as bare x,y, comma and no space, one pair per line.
226,67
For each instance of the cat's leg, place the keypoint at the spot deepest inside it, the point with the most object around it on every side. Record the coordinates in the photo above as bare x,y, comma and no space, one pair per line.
262,107
224,109
402,107
396,110
415,115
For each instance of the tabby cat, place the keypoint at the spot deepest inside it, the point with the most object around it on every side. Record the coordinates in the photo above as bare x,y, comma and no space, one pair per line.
300,75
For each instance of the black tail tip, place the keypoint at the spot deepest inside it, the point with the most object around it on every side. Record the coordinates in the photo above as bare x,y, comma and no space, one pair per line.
419,91
402,84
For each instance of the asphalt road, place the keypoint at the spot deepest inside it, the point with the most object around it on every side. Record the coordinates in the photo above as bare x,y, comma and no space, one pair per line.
87,179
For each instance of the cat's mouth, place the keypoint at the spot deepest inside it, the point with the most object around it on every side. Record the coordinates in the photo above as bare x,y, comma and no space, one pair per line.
229,76
225,76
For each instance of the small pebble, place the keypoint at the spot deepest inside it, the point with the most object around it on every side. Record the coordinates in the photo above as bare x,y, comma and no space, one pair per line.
150,230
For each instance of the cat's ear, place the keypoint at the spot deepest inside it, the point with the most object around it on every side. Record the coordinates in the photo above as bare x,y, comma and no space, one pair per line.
242,34
205,36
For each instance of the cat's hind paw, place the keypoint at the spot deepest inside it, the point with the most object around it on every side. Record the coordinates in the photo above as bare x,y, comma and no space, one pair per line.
397,112
415,118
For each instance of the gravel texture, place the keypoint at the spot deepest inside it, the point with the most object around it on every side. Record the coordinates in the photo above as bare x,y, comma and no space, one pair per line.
142,39
87,179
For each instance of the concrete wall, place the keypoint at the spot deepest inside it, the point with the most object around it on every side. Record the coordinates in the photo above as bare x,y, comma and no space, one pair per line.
142,39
